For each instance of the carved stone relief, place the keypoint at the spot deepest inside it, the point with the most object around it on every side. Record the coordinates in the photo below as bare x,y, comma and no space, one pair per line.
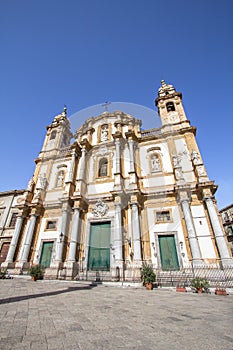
100,209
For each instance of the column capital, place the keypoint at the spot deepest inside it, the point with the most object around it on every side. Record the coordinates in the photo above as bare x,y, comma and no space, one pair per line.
117,136
130,135
184,196
86,146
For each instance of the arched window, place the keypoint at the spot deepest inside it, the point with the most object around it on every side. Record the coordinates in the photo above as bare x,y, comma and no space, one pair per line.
155,163
53,135
103,167
60,178
170,106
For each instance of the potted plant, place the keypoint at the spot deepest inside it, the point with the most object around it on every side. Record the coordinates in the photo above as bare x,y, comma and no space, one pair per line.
200,284
148,276
36,272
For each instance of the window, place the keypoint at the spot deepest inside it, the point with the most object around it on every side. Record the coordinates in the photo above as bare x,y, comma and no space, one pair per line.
53,135
51,225
170,106
103,167
13,220
64,141
163,216
155,163
60,178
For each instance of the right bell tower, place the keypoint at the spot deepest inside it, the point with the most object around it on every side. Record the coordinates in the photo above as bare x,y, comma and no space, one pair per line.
170,107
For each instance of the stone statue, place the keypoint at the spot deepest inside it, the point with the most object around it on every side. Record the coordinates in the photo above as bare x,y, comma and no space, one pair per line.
31,183
176,161
104,133
195,157
60,178
155,163
42,181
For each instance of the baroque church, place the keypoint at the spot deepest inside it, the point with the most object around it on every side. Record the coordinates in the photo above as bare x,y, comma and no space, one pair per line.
114,198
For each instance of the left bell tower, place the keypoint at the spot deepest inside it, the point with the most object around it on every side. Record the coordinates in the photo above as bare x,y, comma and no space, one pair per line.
58,135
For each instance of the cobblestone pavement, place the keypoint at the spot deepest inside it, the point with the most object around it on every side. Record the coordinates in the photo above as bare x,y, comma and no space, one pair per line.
71,315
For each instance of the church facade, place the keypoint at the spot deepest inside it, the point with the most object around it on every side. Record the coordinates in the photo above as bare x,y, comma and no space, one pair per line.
116,197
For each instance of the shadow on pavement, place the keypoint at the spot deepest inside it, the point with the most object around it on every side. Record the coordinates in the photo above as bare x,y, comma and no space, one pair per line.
46,294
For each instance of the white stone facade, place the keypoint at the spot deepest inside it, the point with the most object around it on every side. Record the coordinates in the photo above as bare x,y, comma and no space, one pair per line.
118,196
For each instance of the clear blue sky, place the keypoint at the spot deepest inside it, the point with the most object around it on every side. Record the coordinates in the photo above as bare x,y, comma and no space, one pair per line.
82,53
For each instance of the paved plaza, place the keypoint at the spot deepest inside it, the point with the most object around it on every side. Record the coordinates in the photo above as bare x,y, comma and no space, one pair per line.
57,315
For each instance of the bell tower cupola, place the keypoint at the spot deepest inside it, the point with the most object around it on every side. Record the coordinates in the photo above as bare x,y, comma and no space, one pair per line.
169,103
58,133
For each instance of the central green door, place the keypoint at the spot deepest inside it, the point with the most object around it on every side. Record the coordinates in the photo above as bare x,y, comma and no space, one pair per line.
46,254
168,253
99,248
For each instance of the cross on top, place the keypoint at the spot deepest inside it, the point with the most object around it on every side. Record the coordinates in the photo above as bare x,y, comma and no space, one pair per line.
105,105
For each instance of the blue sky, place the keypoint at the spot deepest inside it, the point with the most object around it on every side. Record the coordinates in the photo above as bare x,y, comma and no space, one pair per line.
82,53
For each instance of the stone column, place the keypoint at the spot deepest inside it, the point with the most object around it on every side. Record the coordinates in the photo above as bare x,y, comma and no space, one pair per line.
136,232
60,244
131,155
71,169
81,166
28,239
118,157
118,232
218,233
194,246
74,236
14,240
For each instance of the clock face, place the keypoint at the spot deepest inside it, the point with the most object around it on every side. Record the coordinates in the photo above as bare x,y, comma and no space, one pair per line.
174,118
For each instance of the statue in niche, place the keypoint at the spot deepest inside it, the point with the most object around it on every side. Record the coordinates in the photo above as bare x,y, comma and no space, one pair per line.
60,178
155,163
104,133
195,157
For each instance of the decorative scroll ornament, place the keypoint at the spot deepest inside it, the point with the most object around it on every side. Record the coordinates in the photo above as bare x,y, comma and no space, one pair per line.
100,209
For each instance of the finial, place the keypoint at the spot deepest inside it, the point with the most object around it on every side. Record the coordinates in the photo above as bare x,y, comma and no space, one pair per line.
64,109
163,83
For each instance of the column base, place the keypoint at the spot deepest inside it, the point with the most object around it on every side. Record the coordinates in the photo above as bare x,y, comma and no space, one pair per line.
54,271
226,262
198,262
72,270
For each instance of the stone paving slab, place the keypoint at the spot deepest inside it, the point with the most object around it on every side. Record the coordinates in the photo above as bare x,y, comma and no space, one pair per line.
53,315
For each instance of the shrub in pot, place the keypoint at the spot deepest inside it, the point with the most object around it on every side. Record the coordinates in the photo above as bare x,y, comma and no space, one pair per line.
148,275
36,272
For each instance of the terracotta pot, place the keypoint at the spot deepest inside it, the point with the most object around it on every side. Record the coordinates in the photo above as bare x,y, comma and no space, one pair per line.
34,278
220,292
149,286
181,289
199,290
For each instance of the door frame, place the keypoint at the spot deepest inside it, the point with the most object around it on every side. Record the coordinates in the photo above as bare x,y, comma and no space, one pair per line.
87,239
178,250
41,249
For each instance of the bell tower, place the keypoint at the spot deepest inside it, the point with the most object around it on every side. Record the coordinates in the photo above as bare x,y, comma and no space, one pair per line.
170,107
58,134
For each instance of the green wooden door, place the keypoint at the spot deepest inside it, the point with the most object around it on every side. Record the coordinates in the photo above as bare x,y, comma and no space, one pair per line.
46,254
168,253
99,247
